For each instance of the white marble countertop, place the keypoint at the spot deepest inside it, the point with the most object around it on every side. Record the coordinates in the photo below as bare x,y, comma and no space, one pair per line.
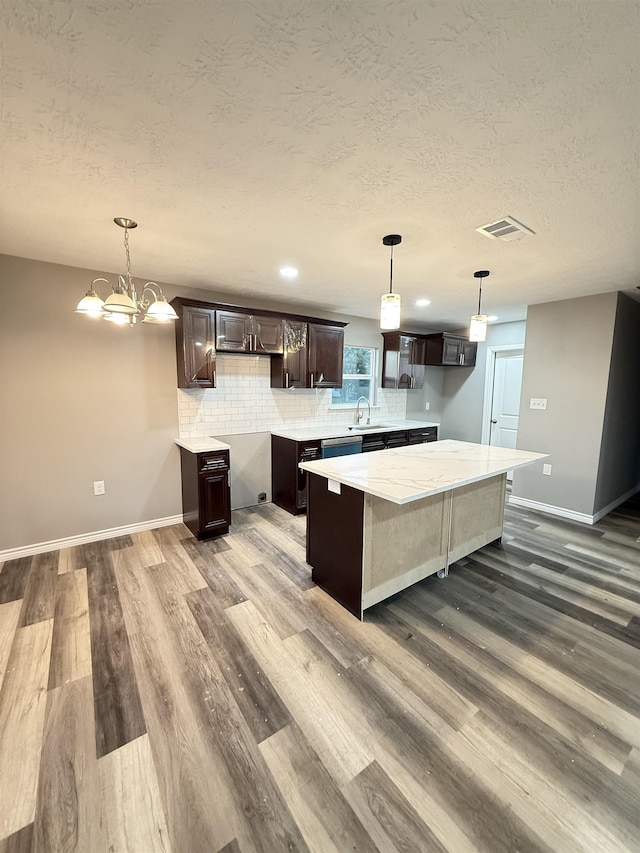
410,473
316,433
201,445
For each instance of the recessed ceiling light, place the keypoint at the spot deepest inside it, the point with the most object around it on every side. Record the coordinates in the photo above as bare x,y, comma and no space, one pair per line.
289,272
491,318
421,303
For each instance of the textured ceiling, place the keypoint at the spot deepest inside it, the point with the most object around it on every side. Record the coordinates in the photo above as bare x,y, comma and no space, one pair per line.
243,135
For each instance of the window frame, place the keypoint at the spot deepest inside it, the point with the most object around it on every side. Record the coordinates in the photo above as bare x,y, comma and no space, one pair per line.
372,377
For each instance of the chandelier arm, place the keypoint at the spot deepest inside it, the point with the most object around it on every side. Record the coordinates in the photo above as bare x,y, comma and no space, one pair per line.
150,285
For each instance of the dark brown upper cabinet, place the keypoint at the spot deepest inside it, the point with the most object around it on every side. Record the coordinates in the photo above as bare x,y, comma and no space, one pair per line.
450,350
237,331
325,350
290,369
403,360
195,344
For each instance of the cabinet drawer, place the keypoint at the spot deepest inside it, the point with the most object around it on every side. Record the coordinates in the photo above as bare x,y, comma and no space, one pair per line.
419,436
396,439
215,461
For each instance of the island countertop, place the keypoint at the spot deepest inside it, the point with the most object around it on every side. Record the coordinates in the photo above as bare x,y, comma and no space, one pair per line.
410,473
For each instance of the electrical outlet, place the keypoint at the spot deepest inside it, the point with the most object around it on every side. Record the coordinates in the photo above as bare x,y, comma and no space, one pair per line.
546,469
98,487
538,403
427,406
262,497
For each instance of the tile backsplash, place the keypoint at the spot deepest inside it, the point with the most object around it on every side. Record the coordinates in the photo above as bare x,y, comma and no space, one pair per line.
244,402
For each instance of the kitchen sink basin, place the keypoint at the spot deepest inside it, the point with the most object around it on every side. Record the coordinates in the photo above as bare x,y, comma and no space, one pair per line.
365,427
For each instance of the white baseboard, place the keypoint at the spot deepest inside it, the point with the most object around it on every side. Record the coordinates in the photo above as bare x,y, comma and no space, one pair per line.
83,538
583,517
602,512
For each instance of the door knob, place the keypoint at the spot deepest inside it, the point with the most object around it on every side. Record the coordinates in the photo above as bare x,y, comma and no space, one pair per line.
493,421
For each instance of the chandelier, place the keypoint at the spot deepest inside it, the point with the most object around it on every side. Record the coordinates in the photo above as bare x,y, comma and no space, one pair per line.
123,305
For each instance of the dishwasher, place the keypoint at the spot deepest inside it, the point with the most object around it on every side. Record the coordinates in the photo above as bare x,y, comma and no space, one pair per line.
340,446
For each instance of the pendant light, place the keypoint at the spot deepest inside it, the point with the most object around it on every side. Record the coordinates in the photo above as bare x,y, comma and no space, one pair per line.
390,303
123,305
478,327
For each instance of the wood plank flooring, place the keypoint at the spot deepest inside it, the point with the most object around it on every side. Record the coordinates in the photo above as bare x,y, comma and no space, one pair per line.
163,694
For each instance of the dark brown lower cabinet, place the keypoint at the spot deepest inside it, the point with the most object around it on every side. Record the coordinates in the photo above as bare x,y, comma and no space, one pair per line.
400,438
288,482
206,498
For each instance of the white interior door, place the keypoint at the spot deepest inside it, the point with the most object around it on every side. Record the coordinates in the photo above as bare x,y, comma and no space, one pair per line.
505,405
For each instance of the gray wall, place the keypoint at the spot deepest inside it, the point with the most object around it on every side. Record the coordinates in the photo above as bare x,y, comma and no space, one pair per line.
619,468
566,360
431,393
463,387
81,401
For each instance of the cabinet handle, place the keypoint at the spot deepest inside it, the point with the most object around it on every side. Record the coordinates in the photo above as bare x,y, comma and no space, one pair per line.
286,379
493,422
311,379
321,379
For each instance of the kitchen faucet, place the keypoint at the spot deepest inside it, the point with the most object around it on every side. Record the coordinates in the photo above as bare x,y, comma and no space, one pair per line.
358,415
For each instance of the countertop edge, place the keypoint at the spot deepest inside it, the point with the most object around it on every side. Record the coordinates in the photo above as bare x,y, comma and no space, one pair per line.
346,480
201,445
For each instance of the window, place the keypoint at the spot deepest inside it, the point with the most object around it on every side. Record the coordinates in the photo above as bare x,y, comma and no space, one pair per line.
358,377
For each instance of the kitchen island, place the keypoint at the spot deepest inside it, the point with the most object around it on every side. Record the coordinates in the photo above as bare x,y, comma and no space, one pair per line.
379,522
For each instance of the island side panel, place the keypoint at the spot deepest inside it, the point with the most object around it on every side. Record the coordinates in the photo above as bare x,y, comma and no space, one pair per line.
334,541
402,544
477,515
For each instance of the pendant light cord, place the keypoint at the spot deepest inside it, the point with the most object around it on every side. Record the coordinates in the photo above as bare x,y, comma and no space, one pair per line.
479,296
391,272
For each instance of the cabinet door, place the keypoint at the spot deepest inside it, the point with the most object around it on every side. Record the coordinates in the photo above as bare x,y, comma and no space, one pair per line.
326,350
417,358
451,350
195,335
233,331
418,351
296,354
468,349
214,503
267,333
404,377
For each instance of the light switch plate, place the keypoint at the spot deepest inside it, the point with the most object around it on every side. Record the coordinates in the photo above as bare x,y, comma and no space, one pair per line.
98,487
538,403
546,469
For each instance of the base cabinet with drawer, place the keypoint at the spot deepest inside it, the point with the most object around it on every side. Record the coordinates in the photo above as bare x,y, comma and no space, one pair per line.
206,498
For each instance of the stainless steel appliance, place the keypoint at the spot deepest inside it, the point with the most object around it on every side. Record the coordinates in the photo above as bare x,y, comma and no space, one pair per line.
340,446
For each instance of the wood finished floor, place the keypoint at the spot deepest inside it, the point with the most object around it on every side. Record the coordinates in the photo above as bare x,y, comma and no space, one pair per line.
162,694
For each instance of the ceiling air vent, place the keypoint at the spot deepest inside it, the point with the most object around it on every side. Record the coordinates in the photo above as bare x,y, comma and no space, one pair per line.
508,228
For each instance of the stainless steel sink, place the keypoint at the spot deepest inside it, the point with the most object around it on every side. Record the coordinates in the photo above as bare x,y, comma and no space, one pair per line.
365,427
